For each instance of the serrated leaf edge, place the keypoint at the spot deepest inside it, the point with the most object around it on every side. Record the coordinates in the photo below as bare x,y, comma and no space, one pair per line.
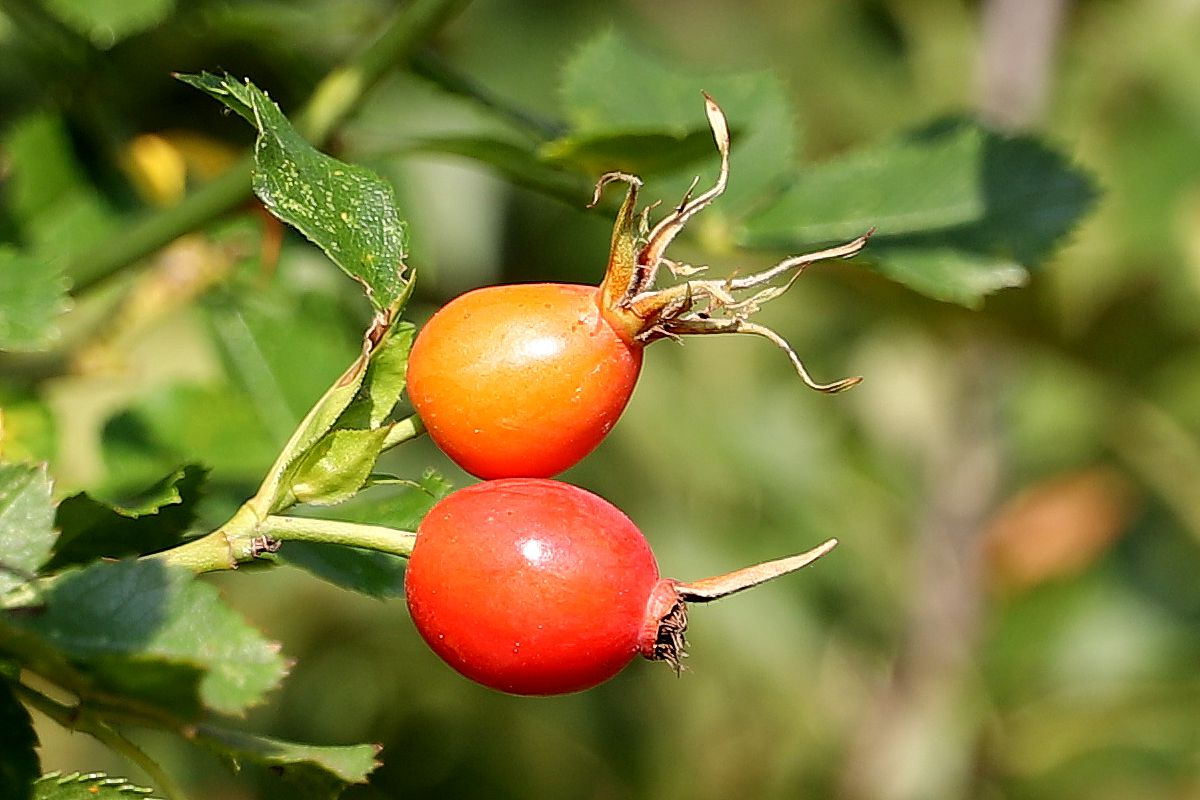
103,779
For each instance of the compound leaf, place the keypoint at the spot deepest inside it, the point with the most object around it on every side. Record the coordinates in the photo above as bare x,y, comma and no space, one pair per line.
156,634
960,210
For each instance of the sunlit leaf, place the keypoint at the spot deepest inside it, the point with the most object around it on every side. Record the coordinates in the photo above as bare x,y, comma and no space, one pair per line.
315,772
346,210
33,295
232,93
26,522
384,381
947,273
336,467
87,786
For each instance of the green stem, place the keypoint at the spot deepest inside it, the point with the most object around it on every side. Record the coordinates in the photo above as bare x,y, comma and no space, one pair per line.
80,718
152,232
340,91
333,100
433,68
351,534
245,538
401,431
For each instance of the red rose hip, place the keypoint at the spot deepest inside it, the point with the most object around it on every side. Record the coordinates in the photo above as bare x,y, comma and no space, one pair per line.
537,587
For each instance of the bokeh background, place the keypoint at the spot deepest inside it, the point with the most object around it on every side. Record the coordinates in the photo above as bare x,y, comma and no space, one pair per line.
1014,610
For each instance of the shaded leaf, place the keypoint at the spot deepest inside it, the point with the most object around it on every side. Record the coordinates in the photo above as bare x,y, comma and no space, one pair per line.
637,153
283,346
156,634
87,786
370,572
19,764
58,213
953,187
26,522
216,425
316,772
612,89
157,519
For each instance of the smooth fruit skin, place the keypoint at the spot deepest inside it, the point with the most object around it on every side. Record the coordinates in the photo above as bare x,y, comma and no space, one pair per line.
521,380
530,586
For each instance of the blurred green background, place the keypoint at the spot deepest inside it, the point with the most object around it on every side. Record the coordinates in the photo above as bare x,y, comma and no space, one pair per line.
1014,610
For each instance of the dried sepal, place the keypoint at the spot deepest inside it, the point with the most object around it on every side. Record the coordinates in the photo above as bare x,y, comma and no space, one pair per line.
709,589
644,313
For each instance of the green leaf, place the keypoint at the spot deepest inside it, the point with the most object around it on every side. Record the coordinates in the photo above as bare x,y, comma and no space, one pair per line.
106,22
282,344
336,467
58,210
369,572
612,89
216,425
29,426
950,274
58,213
89,786
316,772
19,764
385,379
232,93
157,519
346,210
982,207
275,493
33,295
331,454
158,635
26,522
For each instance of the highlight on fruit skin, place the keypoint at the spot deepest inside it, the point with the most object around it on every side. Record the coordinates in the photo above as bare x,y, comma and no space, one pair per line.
536,587
526,380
